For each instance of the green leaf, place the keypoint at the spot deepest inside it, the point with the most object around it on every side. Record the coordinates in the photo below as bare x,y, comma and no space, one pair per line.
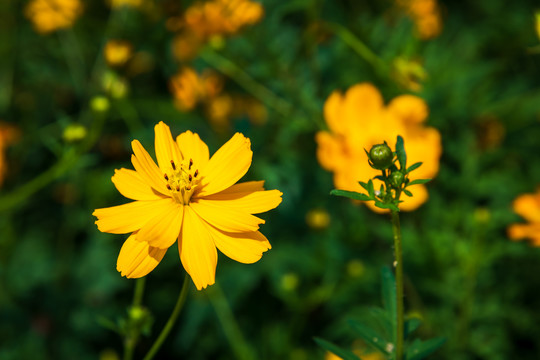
380,177
418,181
414,167
407,192
370,189
386,206
108,324
411,325
400,152
342,353
370,336
389,293
351,195
421,349
364,185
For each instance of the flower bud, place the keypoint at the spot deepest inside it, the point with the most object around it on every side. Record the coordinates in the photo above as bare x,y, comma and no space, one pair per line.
396,179
381,156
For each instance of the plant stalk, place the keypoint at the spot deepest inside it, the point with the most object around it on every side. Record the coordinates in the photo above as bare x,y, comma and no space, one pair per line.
398,264
172,319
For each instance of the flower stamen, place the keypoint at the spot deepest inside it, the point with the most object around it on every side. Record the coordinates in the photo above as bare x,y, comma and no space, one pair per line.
181,181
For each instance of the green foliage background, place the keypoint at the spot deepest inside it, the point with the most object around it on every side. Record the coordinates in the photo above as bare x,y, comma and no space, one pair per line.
465,279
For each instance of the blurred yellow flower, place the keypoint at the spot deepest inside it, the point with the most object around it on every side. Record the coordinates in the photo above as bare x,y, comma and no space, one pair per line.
218,17
357,120
209,20
528,207
409,73
50,15
360,354
189,88
318,219
117,52
426,16
190,197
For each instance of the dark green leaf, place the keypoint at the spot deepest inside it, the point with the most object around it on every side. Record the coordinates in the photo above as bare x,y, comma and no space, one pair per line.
363,184
370,189
418,181
344,354
386,206
379,177
421,349
351,195
414,167
407,192
389,293
400,151
411,325
370,336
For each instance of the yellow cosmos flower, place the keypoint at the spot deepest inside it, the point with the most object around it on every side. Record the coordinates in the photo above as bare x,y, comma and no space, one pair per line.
426,16
528,207
190,88
50,15
357,120
117,52
190,198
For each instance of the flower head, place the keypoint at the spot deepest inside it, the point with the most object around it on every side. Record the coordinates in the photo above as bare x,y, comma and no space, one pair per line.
528,207
190,198
51,15
358,120
117,52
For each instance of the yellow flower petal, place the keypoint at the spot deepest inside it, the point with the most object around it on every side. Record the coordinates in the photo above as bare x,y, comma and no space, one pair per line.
197,250
192,147
130,184
332,113
123,219
248,186
166,148
251,202
411,109
137,258
224,218
147,168
528,207
246,248
163,229
226,166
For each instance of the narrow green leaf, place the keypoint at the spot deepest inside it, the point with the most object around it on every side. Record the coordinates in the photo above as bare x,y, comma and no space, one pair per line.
389,291
418,181
108,324
364,185
342,353
370,189
379,177
401,154
407,192
421,349
386,206
370,336
351,195
411,325
414,167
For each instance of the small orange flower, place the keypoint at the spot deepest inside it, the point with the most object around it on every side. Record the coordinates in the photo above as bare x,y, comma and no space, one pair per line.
190,198
357,120
528,207
426,16
117,52
51,15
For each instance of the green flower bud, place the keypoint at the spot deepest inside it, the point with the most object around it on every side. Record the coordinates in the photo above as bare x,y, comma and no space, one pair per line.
381,156
74,133
396,179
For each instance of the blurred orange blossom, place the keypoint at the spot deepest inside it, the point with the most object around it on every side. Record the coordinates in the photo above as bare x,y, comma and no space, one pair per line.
357,120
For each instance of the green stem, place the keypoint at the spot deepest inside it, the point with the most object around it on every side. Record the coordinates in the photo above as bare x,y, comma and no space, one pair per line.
243,79
396,228
172,319
230,326
358,46
132,337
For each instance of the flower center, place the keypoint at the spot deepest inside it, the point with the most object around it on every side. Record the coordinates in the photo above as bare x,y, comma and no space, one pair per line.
182,179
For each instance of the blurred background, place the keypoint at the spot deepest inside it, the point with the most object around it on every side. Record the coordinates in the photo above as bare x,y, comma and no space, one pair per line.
80,79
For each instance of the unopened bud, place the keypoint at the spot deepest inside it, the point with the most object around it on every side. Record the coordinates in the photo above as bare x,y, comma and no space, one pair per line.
381,156
396,179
